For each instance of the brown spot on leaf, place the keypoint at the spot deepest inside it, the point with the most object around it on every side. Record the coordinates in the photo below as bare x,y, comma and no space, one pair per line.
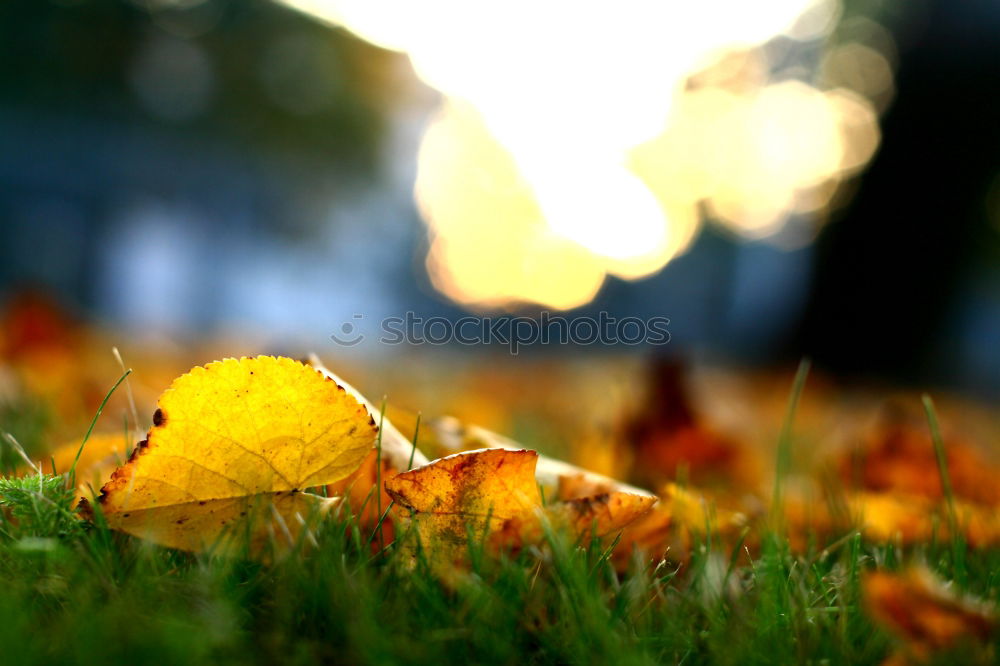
138,449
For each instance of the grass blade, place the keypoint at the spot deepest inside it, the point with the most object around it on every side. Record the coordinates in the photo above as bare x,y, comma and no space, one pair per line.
784,454
93,422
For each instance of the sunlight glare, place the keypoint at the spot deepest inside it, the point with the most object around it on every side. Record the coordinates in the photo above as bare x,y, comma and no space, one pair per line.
579,140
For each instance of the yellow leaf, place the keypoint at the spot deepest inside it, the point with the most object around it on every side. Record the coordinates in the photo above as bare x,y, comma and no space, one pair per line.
233,439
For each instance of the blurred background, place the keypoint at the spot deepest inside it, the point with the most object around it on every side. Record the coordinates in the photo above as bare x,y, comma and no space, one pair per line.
789,178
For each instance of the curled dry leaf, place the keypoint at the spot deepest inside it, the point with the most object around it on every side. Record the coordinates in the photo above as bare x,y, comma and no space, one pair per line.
492,494
453,435
681,517
233,445
925,614
603,514
669,527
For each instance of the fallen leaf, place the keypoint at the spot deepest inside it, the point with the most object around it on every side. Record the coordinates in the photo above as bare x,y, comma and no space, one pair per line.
671,525
652,537
233,440
574,486
474,492
455,435
582,517
492,494
602,514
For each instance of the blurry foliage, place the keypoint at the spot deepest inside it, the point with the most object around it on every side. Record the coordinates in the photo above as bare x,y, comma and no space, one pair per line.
74,58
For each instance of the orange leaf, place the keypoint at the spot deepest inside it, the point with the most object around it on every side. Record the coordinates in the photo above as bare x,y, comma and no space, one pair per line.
492,494
475,491
582,517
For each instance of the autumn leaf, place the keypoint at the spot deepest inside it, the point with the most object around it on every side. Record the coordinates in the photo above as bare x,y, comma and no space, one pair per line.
652,534
492,494
475,491
453,435
926,615
671,525
575,486
681,518
233,439
595,516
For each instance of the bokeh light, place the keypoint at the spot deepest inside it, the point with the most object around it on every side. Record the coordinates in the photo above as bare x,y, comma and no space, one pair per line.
581,140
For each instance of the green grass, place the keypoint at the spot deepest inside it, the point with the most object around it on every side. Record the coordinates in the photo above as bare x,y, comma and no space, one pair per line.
79,593
94,596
